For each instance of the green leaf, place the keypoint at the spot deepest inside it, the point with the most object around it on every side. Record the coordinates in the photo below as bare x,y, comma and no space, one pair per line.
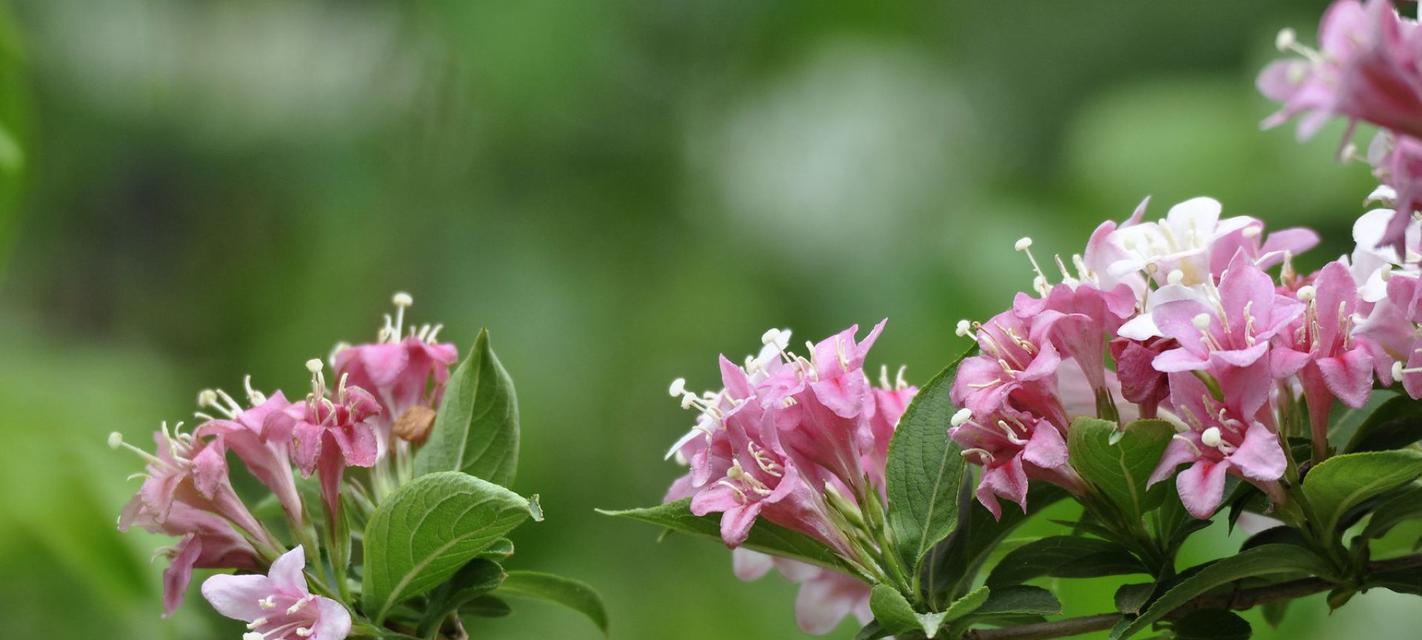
500,549
1063,557
1260,561
896,616
476,429
1406,505
427,530
486,606
872,631
1343,482
559,590
1345,421
1118,463
474,580
953,564
1017,601
1393,425
1407,581
1212,624
1131,597
764,536
966,604
924,471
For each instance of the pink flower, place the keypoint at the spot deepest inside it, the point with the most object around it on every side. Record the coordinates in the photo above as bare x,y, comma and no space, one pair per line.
401,373
1185,241
332,434
1397,163
186,471
826,597
1229,325
1140,382
260,435
889,403
1090,316
278,606
1367,69
1392,334
1012,446
1223,437
186,493
1018,361
1335,363
208,542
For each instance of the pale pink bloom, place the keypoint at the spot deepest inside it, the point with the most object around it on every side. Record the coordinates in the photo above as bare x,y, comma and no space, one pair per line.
1367,69
1090,316
826,597
1374,260
1392,332
1017,360
1335,363
332,432
890,399
1012,447
278,606
1221,437
1229,325
1397,163
1184,242
208,542
260,435
188,471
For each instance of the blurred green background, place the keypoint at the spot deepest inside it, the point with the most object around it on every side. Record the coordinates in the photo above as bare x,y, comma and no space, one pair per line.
191,191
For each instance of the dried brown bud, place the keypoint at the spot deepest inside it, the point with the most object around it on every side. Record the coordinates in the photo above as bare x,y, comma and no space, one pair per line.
414,425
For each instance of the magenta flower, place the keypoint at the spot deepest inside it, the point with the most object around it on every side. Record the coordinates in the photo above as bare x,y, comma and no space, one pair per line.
1141,383
889,402
1392,333
330,435
1222,437
278,606
1230,325
1397,163
208,542
400,372
1367,69
1335,363
260,435
1089,317
1012,446
1017,360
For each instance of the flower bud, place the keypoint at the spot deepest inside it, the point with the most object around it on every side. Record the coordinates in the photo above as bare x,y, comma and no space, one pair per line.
414,425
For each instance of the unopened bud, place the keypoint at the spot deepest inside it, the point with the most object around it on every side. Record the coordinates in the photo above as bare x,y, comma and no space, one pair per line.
415,424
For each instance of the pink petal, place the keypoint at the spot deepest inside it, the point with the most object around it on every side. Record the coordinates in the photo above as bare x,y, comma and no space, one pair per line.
179,573
286,571
237,596
1178,452
1349,376
1201,487
1259,457
1046,448
750,565
333,623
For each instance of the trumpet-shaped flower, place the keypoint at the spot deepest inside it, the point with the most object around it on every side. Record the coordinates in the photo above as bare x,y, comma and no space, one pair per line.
332,434
1229,325
260,435
1012,446
1221,437
1366,69
401,372
826,597
1336,364
278,606
1017,360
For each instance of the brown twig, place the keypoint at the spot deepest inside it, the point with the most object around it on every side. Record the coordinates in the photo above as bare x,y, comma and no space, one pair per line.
1239,600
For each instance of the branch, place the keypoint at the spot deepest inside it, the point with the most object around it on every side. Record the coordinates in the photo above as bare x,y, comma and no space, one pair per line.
1239,600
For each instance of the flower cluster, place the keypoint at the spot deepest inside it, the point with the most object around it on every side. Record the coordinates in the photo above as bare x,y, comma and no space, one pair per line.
1200,334
1368,68
801,442
383,401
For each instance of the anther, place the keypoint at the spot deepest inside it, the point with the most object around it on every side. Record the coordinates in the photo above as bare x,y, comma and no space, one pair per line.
1211,437
1175,276
1285,40
314,365
771,336
678,387
116,438
963,329
961,417
1201,322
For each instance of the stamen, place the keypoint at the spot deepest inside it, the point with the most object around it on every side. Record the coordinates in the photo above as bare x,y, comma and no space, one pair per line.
900,382
268,602
1211,437
963,329
678,387
116,442
318,379
1191,443
401,300
961,417
884,376
256,623
1306,293
1285,40
253,396
1024,245
984,456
